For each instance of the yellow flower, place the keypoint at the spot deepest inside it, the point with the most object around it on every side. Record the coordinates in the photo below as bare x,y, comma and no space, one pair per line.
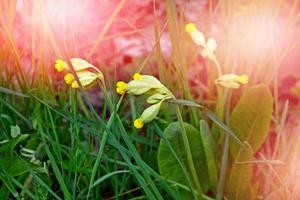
142,84
232,80
74,84
81,68
243,79
137,76
60,65
121,87
190,27
69,78
138,123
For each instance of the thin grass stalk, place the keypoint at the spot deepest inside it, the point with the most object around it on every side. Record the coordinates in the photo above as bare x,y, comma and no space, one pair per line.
188,152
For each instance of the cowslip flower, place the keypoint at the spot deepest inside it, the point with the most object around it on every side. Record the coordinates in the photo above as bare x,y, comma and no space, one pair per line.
60,65
208,46
81,68
232,80
142,84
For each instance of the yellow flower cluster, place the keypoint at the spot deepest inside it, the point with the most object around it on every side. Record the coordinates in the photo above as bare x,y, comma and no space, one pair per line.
81,68
142,84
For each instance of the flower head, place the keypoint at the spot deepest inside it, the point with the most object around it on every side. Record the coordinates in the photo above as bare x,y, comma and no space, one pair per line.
69,78
60,65
145,84
190,27
74,85
121,87
82,69
137,76
232,80
138,123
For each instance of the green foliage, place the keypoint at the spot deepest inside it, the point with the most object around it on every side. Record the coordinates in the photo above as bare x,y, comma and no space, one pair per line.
170,167
250,121
208,145
251,117
239,183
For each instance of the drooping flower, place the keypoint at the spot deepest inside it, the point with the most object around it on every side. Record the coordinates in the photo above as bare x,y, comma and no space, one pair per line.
142,84
232,80
208,46
82,69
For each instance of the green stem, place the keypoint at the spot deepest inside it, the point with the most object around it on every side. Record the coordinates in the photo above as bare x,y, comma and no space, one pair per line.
188,152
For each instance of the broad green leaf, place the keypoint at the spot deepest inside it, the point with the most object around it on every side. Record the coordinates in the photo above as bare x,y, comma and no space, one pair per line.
169,166
250,121
239,184
208,145
251,117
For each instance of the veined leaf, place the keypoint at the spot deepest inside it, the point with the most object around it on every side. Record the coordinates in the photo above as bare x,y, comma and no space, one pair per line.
250,119
239,184
169,166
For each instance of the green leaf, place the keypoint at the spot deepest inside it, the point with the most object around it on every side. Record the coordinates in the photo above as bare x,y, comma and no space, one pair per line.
251,117
250,121
239,184
170,168
208,145
15,131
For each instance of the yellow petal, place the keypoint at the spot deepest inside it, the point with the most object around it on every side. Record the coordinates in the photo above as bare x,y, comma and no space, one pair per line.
121,87
137,76
243,79
138,123
69,78
190,27
74,85
60,65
